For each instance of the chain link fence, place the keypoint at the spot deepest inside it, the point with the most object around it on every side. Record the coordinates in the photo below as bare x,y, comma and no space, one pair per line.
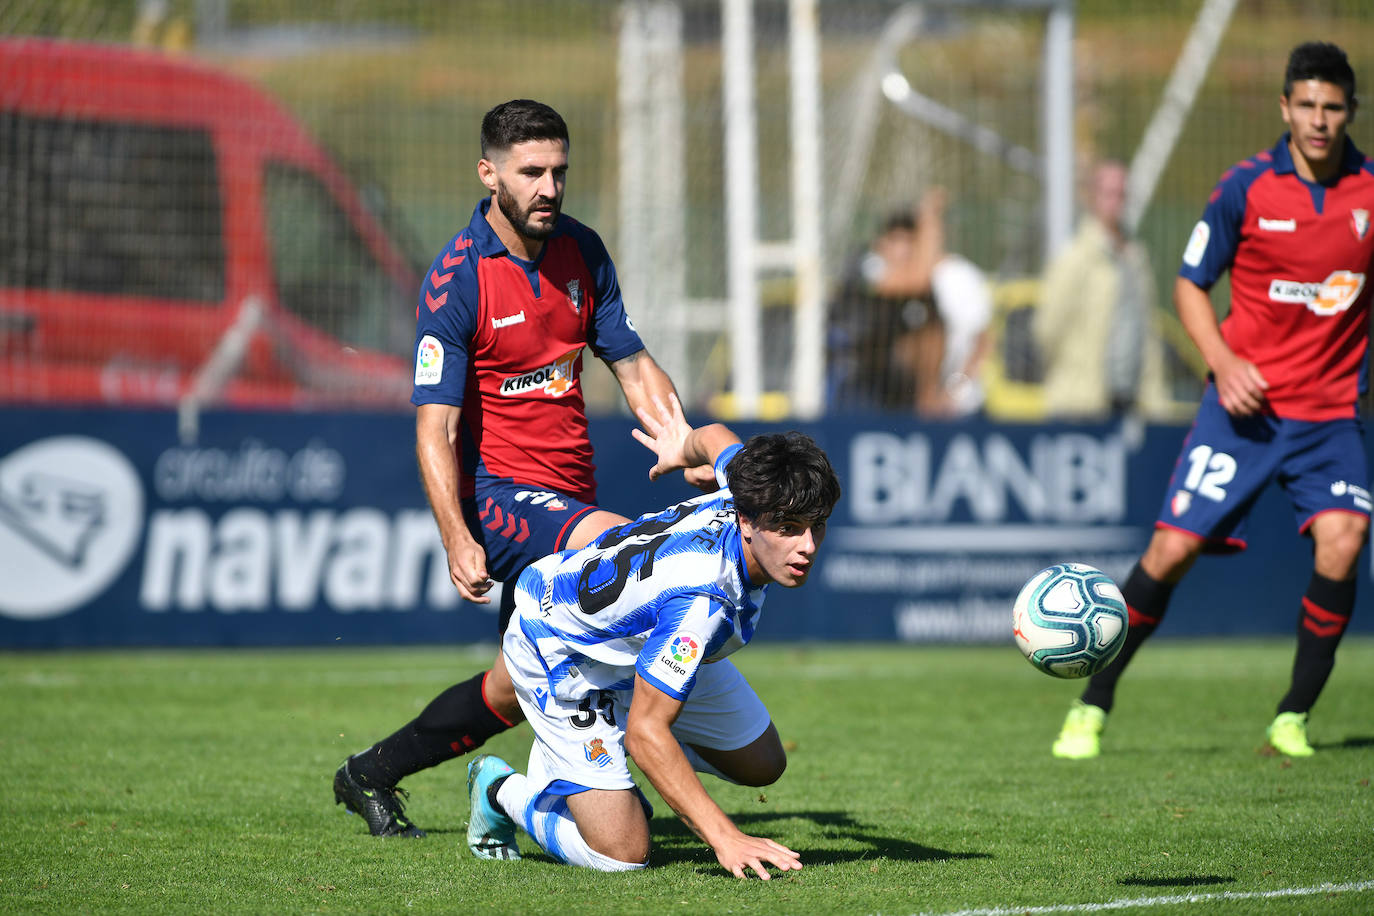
254,234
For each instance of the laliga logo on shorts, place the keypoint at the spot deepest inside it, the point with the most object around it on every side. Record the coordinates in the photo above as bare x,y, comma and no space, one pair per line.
71,509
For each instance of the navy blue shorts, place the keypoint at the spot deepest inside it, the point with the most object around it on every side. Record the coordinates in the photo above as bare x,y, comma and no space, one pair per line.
517,524
1227,461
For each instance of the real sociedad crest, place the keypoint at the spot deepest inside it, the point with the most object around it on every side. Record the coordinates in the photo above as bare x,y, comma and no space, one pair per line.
575,288
1359,221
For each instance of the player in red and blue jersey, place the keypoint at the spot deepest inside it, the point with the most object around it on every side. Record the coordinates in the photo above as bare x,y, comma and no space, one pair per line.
1288,364
501,435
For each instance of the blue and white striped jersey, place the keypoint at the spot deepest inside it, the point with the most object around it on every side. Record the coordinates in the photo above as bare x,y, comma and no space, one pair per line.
659,596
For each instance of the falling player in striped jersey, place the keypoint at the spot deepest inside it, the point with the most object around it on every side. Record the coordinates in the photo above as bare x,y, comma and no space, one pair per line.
618,651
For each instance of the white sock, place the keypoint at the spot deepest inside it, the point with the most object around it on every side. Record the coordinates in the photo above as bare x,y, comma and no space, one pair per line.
549,823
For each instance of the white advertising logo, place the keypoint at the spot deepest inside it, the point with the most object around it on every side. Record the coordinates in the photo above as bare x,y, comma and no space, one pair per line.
71,512
1331,296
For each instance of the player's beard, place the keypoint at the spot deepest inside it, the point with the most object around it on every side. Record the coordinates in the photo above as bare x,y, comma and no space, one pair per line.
520,219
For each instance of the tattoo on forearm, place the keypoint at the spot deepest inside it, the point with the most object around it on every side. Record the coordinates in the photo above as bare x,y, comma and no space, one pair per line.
634,357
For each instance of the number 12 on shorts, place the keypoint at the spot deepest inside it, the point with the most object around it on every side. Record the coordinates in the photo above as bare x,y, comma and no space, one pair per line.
1209,472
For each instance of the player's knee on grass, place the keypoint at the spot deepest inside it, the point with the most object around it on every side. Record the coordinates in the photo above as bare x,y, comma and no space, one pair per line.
612,824
759,763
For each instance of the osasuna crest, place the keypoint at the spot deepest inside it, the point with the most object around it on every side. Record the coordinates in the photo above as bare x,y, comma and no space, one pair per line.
575,294
1359,221
1181,501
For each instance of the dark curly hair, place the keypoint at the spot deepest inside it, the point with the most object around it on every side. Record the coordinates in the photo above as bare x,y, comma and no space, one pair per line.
783,476
1319,60
519,121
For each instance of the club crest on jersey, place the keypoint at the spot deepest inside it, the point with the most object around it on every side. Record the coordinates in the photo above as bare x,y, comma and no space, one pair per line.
1359,222
556,379
1180,503
596,752
575,295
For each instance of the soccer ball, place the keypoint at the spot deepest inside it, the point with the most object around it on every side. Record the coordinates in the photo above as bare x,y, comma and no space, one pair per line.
1069,620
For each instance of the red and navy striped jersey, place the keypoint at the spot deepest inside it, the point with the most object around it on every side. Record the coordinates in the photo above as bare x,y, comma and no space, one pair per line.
1300,261
502,338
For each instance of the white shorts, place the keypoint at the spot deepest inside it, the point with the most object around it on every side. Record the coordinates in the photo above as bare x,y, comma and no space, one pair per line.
587,751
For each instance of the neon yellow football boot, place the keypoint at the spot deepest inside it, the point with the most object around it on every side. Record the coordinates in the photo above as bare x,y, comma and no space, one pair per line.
1288,734
1081,736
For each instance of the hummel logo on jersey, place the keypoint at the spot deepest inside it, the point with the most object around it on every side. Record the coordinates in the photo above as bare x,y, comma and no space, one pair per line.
1278,225
1333,295
556,379
575,295
517,318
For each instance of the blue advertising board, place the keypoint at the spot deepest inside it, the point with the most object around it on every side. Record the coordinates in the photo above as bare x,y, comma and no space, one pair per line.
295,529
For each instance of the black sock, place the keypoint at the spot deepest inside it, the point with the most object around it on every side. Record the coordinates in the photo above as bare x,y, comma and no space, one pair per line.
1326,610
494,788
1146,599
455,722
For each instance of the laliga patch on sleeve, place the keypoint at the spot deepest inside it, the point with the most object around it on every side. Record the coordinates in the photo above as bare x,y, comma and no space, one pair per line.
1197,244
429,361
678,660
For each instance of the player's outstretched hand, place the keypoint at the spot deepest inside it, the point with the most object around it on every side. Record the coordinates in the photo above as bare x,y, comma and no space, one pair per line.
1240,387
665,434
703,477
743,852
467,568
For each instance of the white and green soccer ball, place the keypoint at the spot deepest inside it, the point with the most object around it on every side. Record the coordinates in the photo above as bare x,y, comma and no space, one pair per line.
1069,620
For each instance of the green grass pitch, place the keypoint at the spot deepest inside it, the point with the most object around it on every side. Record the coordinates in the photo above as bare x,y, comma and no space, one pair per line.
920,781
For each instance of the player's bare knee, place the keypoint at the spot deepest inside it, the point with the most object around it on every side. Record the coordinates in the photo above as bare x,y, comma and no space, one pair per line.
1338,540
765,762
628,849
1170,555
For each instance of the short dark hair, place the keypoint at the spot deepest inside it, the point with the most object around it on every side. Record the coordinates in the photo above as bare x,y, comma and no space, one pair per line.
519,121
1320,60
783,476
900,219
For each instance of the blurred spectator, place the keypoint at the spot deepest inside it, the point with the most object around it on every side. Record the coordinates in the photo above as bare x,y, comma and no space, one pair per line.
964,302
1096,326
907,329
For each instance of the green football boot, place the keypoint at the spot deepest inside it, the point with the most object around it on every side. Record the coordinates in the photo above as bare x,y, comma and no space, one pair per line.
1288,734
1081,736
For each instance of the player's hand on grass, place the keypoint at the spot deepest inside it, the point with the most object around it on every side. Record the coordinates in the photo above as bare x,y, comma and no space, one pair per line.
467,568
742,852
1240,386
665,434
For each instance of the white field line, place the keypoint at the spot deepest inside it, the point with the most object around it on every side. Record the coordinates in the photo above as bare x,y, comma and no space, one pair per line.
1143,902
